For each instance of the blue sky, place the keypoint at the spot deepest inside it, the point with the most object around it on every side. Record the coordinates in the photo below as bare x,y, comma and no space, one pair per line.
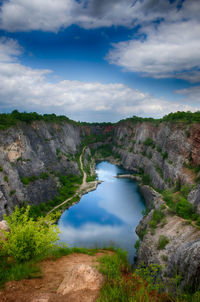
98,60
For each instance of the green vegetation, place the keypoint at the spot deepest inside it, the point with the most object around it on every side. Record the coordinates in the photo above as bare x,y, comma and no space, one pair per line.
141,233
1,169
162,242
146,179
178,204
68,188
159,149
12,192
5,178
160,172
32,178
103,150
27,238
149,142
29,179
158,216
179,116
122,285
10,119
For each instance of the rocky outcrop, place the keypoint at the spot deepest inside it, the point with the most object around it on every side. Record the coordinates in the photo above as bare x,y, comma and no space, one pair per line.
194,198
161,150
81,277
181,253
39,150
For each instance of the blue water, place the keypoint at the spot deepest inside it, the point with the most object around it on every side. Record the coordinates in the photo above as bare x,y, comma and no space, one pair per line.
106,216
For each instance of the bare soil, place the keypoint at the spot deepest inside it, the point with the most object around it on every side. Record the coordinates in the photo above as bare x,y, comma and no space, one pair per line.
45,289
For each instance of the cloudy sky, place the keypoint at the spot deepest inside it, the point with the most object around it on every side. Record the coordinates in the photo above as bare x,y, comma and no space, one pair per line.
100,60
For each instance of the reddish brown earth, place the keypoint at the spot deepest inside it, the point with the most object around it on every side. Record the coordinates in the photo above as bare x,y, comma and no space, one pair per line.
45,289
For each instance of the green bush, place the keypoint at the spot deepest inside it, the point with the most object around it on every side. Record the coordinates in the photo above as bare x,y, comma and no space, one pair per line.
185,209
157,217
29,179
148,142
162,242
146,179
27,238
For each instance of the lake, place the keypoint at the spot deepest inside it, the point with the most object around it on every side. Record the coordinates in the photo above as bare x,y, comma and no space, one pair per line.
106,216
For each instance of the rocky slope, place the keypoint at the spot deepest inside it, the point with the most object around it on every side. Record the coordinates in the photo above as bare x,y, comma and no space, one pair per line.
164,151
181,255
38,150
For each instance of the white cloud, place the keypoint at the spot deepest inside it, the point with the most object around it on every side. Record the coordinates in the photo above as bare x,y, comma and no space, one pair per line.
172,50
192,94
29,89
51,15
9,49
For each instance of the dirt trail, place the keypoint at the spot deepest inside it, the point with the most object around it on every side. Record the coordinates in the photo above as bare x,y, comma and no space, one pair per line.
45,289
84,187
84,174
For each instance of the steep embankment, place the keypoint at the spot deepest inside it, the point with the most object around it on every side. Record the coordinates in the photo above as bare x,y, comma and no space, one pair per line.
169,240
31,157
164,152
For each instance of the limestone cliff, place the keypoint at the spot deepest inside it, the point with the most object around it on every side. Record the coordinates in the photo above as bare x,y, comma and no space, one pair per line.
164,151
181,255
38,150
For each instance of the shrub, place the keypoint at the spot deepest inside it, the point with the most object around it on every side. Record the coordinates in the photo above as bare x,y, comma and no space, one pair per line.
162,242
27,180
148,142
157,217
146,179
137,245
185,209
165,155
27,238
6,178
44,175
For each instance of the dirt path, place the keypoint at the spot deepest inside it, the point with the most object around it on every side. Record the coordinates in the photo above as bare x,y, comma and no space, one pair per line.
45,289
84,174
84,187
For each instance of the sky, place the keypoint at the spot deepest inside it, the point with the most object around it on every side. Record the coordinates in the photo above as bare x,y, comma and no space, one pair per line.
100,60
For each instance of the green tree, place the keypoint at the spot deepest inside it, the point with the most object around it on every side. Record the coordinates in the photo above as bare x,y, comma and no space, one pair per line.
28,238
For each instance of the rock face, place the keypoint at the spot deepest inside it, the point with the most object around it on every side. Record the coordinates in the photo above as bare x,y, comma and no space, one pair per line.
82,277
31,150
194,198
161,150
181,255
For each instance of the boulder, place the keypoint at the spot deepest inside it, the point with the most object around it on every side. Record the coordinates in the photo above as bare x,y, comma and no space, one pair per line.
3,228
81,277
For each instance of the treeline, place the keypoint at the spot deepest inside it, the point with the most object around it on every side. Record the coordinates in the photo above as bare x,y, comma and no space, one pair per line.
179,116
10,119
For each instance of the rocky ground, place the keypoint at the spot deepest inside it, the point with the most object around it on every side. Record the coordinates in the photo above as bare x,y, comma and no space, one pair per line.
72,278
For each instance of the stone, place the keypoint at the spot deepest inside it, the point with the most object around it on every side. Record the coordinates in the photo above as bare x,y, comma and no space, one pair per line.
81,277
3,228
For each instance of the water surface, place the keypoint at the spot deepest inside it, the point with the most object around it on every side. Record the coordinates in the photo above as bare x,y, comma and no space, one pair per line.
106,216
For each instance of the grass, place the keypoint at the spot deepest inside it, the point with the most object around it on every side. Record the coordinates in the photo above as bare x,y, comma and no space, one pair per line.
157,217
162,242
121,285
178,204
17,271
10,270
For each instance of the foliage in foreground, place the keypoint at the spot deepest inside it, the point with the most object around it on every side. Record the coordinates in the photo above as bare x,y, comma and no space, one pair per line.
145,284
121,285
28,238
